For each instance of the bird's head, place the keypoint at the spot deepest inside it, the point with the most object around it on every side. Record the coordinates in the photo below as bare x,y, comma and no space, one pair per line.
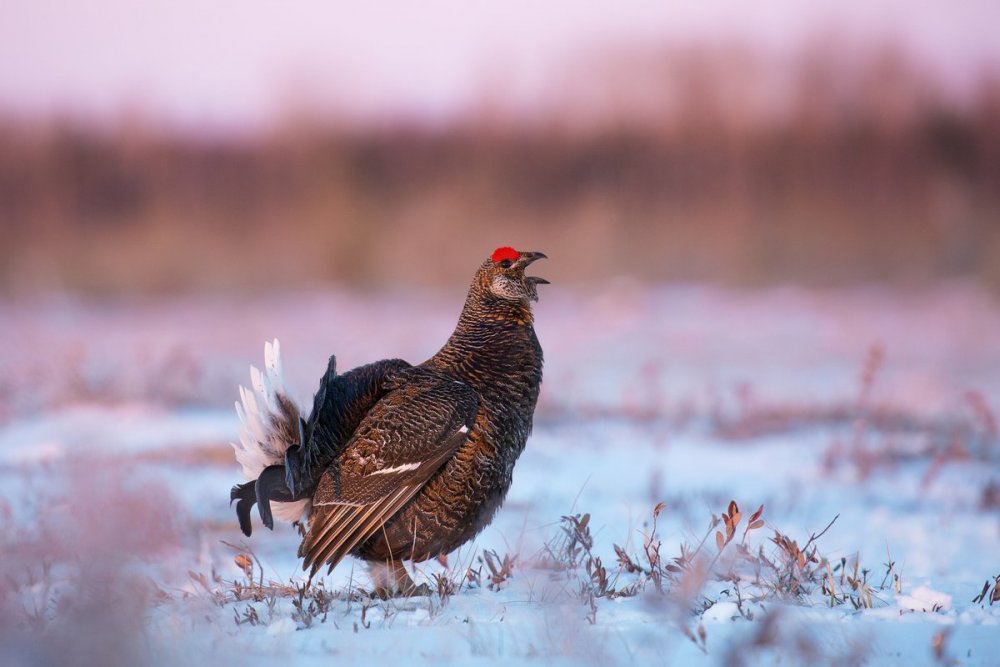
502,274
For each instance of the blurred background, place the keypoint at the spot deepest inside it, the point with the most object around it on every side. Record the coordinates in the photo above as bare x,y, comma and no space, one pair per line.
177,147
774,241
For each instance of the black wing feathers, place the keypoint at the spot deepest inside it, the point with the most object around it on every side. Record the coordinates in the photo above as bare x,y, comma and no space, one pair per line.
341,402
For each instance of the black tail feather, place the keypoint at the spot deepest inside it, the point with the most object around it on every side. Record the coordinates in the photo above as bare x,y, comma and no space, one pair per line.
246,494
293,466
271,486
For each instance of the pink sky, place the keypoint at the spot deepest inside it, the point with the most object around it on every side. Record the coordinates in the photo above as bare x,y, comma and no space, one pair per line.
228,63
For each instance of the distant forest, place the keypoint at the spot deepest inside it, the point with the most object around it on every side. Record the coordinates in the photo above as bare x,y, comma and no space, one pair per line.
665,166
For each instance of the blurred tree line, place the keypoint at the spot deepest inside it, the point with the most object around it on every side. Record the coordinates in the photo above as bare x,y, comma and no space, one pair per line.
665,165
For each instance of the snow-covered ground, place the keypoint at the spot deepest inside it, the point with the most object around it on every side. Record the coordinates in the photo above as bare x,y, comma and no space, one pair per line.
874,407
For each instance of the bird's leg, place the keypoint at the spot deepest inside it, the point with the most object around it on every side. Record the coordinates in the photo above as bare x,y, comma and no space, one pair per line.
404,582
246,495
382,584
391,580
271,486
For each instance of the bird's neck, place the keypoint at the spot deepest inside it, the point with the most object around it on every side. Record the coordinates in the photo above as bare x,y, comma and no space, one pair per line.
487,309
491,334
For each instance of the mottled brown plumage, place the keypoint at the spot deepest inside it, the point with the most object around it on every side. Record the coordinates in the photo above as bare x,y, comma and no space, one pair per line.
406,463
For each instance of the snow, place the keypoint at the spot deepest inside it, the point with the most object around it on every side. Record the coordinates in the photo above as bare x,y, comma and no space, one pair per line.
115,469
924,599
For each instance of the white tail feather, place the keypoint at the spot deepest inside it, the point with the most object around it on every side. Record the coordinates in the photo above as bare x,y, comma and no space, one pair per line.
261,442
291,512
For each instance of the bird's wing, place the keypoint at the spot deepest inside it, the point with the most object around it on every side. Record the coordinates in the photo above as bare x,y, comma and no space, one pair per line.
339,405
400,444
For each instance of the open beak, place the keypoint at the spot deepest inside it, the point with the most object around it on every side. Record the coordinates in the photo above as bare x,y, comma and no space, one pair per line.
529,257
533,282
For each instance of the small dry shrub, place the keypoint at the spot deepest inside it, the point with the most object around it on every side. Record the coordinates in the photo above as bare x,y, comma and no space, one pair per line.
722,565
986,595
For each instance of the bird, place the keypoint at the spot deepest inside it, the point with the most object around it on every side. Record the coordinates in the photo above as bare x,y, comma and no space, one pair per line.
399,462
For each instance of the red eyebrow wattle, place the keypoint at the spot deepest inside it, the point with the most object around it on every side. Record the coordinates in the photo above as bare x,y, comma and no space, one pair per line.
506,252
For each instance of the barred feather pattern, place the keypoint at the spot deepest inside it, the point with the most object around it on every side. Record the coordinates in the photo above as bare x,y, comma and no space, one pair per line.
269,422
494,351
402,462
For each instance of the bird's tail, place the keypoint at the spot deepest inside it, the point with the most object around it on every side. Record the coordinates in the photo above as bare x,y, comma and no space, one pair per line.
269,425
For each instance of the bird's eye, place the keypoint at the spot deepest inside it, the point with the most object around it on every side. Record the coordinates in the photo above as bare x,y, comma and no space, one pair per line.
505,264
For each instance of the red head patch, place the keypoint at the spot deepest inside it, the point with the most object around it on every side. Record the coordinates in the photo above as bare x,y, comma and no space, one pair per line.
506,252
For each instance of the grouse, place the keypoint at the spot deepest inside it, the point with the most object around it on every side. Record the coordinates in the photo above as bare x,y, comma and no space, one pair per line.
398,462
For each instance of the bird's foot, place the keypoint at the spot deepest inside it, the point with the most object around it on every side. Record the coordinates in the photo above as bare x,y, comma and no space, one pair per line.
421,590
392,580
388,593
